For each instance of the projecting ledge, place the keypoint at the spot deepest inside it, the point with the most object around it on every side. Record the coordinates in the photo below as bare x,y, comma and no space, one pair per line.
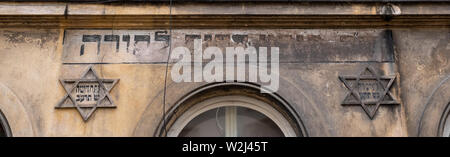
225,8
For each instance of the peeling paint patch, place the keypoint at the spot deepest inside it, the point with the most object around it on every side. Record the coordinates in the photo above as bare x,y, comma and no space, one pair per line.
31,37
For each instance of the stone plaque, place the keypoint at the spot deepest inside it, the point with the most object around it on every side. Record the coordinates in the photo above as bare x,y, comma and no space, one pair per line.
369,90
87,93
295,45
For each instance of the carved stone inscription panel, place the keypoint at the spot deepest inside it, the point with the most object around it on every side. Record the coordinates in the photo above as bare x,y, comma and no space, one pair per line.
368,89
295,45
87,93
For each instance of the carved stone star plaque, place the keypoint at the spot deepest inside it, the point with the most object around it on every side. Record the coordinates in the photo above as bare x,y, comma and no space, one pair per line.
369,90
87,93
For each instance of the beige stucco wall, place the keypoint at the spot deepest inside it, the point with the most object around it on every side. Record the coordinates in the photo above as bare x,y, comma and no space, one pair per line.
31,64
32,61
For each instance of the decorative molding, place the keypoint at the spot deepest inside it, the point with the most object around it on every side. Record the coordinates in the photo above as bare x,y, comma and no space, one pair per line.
369,90
432,120
226,15
87,93
14,111
5,125
444,127
173,112
232,100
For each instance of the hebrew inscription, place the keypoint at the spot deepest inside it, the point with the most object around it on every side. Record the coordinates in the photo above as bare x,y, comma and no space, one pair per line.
296,45
116,40
87,93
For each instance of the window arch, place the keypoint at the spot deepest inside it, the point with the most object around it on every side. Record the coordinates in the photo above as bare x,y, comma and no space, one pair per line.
249,93
444,128
435,118
210,91
241,116
5,131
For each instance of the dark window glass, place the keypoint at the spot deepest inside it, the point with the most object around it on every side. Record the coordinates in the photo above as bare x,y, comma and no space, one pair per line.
2,132
3,125
231,122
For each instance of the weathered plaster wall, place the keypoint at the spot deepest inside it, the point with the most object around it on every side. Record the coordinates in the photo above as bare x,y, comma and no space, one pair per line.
32,62
32,67
424,61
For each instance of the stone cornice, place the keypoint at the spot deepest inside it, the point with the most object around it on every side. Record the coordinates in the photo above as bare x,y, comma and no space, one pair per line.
225,15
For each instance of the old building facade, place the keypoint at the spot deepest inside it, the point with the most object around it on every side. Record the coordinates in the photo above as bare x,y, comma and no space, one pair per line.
332,68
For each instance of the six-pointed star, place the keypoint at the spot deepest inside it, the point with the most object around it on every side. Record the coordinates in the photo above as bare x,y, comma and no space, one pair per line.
354,83
102,88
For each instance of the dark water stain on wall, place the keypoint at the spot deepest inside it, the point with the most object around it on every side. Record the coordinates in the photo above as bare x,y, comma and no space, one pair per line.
40,37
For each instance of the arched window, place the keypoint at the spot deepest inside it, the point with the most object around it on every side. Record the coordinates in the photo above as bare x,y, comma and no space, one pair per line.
231,121
2,132
446,129
232,116
4,126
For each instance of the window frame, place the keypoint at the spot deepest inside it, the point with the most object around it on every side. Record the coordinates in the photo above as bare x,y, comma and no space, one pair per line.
232,100
5,125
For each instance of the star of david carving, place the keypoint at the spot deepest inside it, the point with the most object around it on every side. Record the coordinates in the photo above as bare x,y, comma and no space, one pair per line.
369,90
87,93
